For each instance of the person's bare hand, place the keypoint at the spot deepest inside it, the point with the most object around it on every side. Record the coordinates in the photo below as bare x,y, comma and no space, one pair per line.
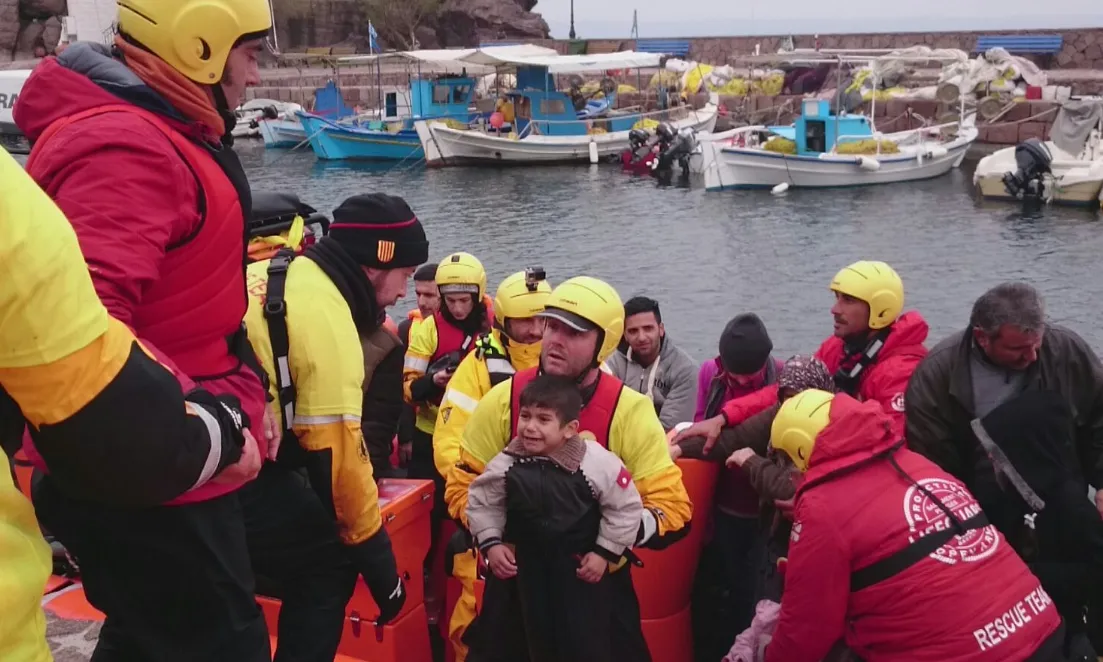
246,468
405,453
737,458
675,451
785,506
502,562
709,429
441,377
592,568
272,433
1099,501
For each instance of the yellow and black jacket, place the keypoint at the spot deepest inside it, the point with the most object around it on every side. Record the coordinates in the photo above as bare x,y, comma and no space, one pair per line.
488,365
328,324
635,436
326,366
109,422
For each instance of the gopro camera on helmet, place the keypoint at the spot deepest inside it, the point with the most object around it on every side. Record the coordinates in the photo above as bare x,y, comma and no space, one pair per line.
533,277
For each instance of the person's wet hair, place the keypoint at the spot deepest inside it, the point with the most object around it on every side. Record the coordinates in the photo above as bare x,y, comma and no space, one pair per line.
426,273
559,394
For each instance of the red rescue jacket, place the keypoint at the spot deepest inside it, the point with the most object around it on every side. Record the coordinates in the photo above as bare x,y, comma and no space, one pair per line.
159,222
884,381
971,600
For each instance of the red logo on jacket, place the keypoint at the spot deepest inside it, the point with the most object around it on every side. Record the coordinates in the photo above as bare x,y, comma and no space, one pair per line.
624,479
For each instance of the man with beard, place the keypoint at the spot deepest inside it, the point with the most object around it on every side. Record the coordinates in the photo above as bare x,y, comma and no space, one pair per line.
316,322
653,365
132,141
584,322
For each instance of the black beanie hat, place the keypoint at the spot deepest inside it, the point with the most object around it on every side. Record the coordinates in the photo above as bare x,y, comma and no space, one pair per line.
380,231
744,345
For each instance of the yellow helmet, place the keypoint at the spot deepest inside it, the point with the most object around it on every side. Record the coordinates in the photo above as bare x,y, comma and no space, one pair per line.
462,273
193,36
522,295
877,284
585,303
798,422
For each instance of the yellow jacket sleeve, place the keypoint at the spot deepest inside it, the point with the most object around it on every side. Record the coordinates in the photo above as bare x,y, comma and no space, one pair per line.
423,344
61,354
484,436
468,385
637,437
23,575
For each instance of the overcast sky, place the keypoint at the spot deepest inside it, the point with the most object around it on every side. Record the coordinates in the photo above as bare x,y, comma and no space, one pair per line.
687,18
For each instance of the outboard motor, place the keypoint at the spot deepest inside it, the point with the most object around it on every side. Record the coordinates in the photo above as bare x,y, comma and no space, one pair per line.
637,158
666,132
677,151
1028,182
637,138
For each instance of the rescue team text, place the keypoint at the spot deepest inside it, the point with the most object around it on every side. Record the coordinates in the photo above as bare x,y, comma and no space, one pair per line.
1006,624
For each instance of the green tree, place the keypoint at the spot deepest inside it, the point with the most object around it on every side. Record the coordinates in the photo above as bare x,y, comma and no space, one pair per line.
397,21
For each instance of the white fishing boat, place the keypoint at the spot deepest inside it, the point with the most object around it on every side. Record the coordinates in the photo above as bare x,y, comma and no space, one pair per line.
825,149
745,160
1065,170
549,126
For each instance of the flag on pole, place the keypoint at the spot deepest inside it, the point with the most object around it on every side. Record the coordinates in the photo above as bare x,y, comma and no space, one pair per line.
373,45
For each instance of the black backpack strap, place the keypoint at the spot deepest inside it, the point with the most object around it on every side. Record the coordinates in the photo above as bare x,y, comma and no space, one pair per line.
912,554
275,311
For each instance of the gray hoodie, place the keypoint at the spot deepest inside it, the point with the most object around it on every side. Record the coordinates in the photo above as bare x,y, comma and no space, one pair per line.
670,382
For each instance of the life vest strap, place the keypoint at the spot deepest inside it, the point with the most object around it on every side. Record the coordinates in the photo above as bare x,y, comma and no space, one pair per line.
275,312
912,554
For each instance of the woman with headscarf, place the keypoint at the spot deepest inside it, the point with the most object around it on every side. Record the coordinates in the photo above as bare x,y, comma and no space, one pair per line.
1038,500
771,474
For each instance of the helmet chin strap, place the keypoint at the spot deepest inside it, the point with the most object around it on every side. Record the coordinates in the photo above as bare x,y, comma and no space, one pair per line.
227,113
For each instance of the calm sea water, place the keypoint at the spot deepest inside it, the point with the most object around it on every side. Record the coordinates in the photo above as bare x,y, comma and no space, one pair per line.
706,257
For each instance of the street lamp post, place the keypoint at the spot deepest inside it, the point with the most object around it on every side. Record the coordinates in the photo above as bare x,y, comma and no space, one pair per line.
571,34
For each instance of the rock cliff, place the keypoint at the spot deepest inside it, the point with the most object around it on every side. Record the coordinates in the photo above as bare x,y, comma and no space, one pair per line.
29,28
310,23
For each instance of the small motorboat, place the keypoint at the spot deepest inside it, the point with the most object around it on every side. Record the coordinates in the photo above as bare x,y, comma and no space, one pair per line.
1065,170
250,114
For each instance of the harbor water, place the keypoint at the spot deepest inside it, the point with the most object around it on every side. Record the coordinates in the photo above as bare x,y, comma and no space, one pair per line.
706,257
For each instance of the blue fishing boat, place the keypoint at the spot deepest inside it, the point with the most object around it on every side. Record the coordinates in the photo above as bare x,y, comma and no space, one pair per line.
392,137
288,131
542,124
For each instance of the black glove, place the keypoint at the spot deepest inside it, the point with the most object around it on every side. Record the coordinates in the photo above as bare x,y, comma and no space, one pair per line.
374,559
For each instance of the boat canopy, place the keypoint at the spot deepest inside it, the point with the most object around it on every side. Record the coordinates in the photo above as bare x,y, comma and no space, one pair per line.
474,61
566,64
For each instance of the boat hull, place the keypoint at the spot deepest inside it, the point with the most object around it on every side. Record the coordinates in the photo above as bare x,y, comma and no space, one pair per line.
334,142
726,167
445,146
282,133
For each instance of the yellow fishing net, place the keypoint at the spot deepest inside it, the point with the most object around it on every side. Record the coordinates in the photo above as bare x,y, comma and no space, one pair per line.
780,145
867,146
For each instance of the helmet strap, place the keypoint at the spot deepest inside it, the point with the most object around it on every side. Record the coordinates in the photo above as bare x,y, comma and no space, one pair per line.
224,111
